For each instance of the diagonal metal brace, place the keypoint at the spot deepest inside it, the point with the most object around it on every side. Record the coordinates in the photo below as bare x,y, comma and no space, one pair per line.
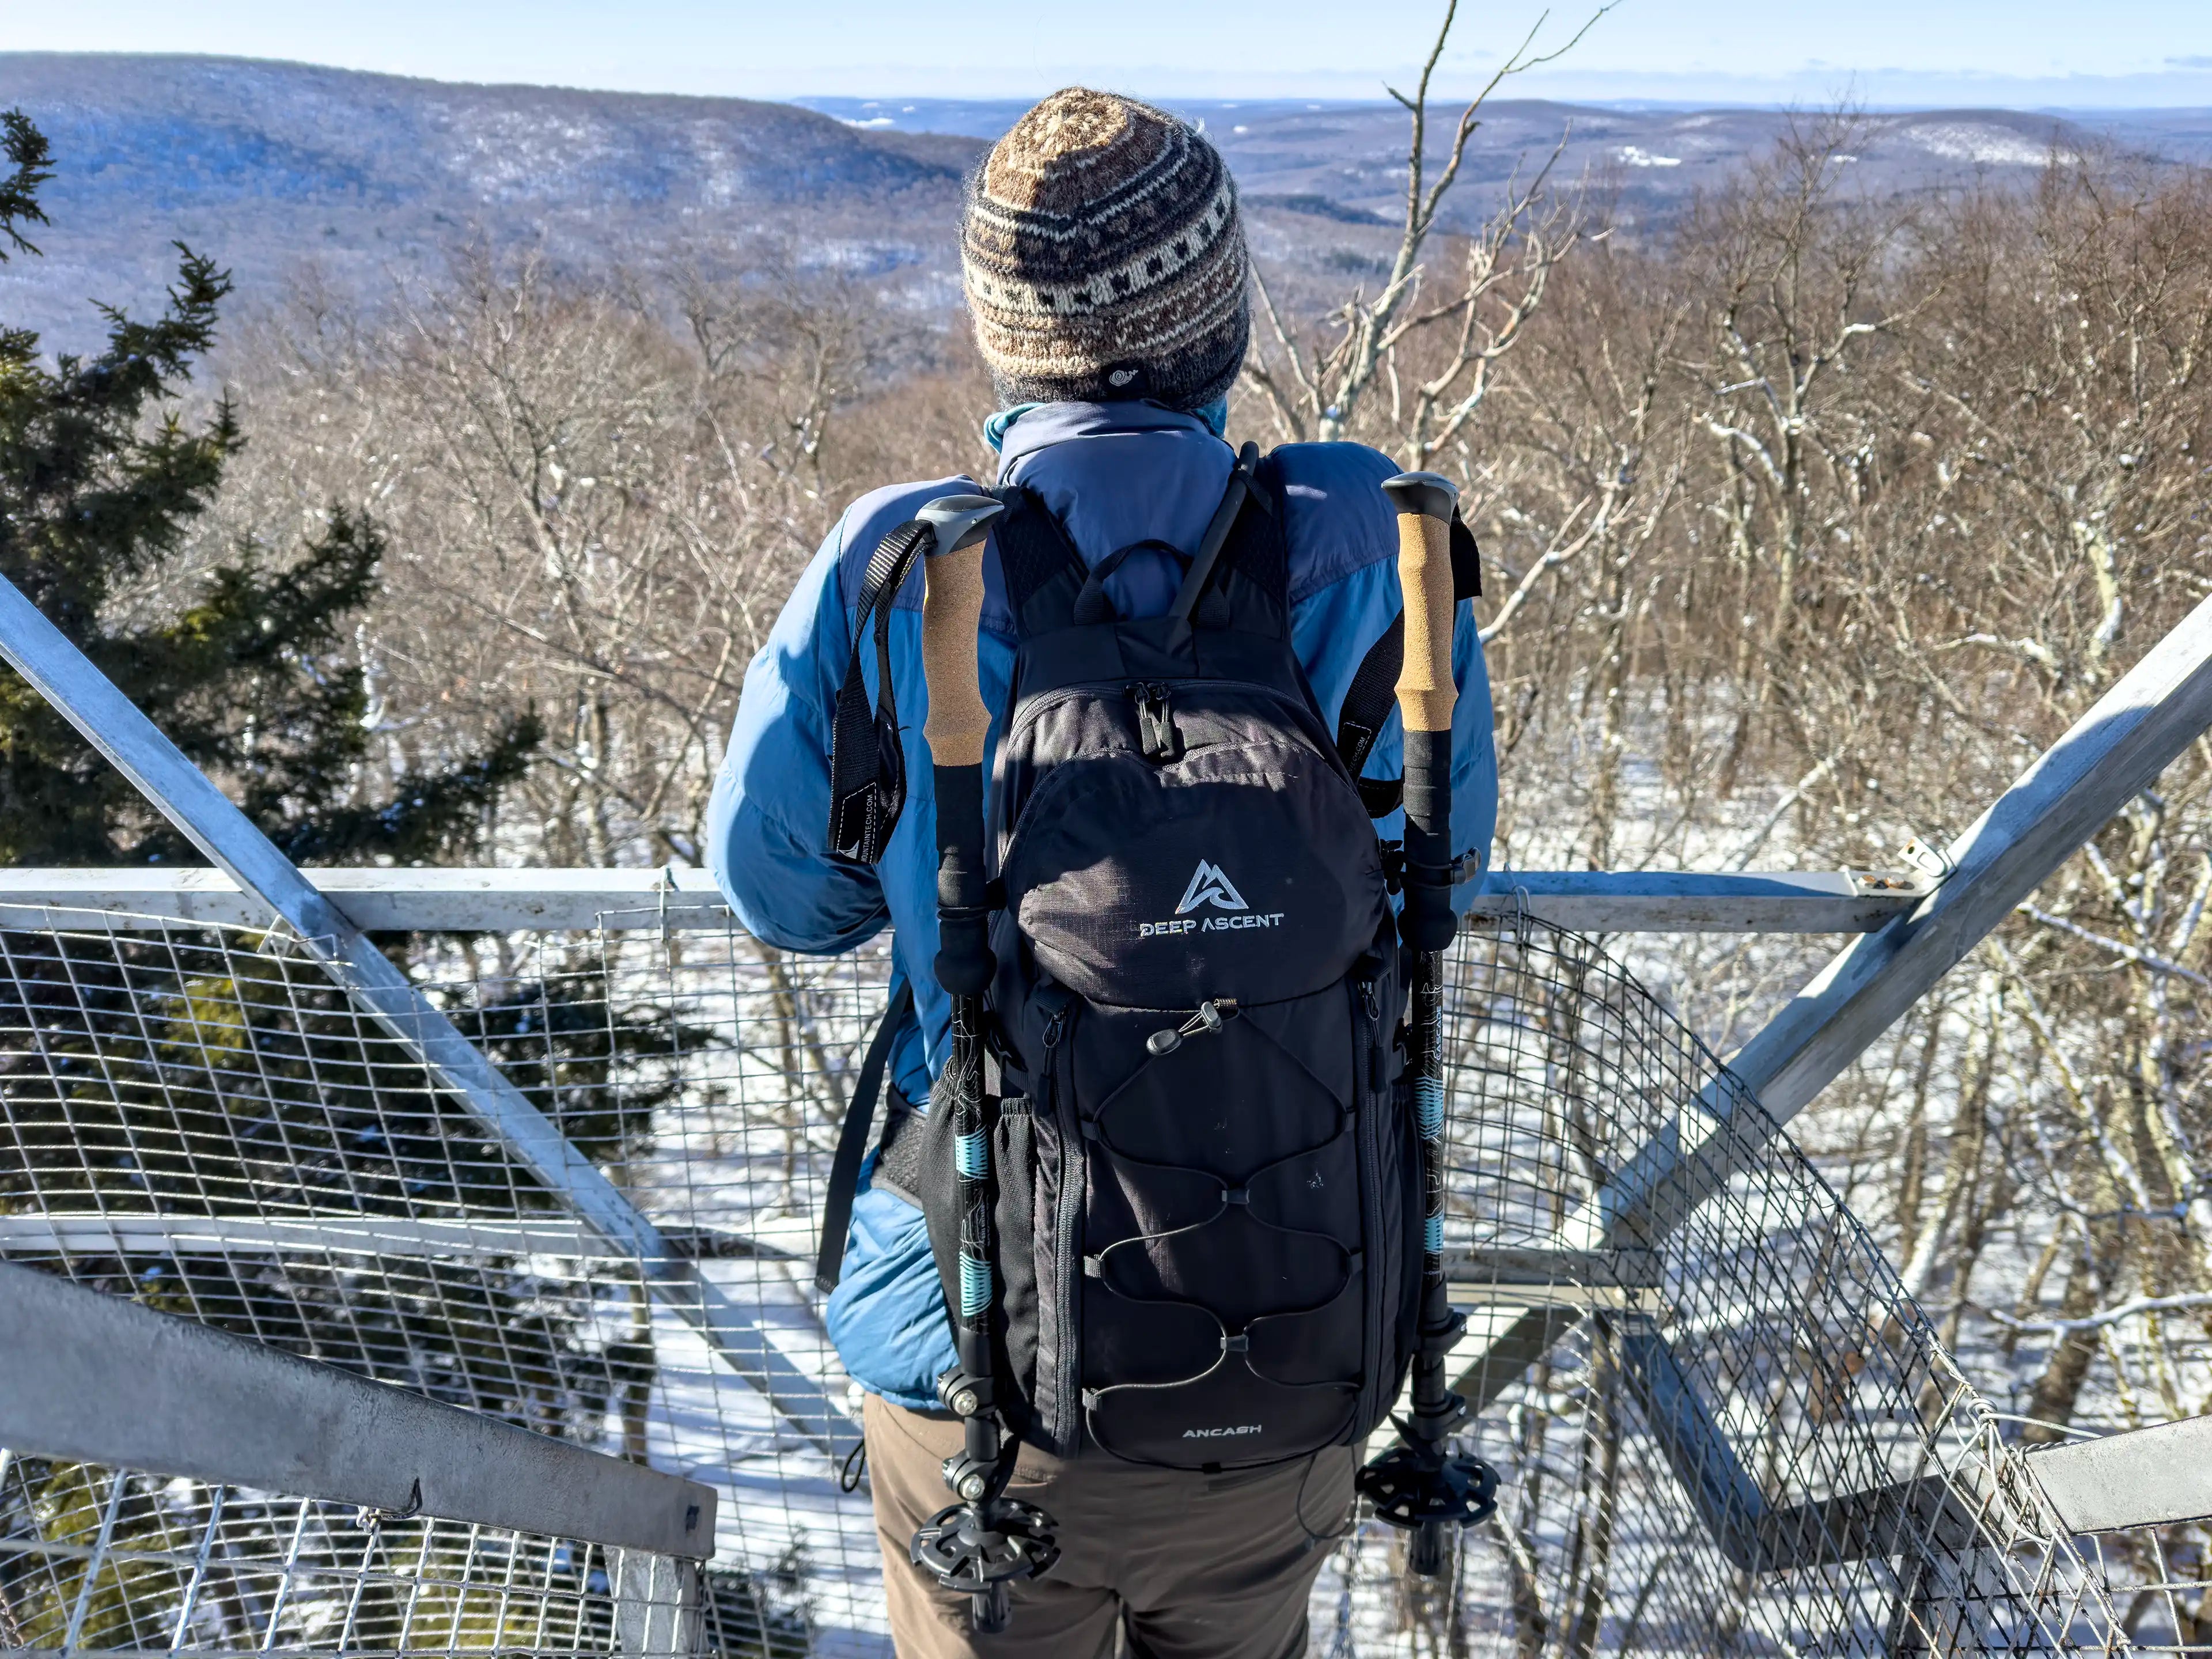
2069,792
97,1377
120,731
2108,756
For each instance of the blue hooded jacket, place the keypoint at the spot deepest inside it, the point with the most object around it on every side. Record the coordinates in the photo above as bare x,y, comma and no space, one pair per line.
1116,474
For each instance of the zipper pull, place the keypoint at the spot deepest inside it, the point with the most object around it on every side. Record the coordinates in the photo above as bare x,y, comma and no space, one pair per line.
1055,1025
1370,998
1155,732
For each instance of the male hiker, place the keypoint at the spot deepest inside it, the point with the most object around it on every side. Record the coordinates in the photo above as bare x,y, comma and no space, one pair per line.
1194,1446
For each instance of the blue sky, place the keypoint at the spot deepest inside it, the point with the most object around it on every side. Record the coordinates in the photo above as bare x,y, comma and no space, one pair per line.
2032,52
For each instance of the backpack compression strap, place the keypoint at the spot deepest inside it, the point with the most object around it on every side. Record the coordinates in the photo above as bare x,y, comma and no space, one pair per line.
1371,695
867,763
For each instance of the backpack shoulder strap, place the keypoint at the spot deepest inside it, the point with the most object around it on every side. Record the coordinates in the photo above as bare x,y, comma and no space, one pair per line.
1367,704
1467,561
1234,497
1373,691
1259,551
1043,572
853,1139
1240,576
867,762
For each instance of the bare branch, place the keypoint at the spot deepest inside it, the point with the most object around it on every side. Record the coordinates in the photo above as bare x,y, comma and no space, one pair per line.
2128,953
2123,1311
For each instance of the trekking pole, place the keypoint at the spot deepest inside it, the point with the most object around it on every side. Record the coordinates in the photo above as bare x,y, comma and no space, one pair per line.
981,1543
1418,1484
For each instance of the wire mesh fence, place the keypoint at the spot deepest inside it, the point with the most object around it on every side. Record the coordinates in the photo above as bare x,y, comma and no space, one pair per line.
96,1561
1722,1430
1729,1428
107,1560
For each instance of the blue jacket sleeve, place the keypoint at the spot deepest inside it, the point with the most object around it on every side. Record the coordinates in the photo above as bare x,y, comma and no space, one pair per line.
768,821
767,845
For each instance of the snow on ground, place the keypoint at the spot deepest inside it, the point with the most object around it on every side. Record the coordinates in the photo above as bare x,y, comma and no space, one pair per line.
777,1492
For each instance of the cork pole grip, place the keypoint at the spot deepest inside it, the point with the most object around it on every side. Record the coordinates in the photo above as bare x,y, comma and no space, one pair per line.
1425,693
951,620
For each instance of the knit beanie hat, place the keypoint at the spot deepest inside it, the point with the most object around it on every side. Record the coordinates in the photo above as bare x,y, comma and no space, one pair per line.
1104,257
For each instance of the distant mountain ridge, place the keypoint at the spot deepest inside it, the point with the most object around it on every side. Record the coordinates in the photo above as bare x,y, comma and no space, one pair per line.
268,164
245,127
272,167
1347,160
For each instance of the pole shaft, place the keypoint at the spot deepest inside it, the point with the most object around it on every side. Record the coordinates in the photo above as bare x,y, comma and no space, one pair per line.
1426,695
957,728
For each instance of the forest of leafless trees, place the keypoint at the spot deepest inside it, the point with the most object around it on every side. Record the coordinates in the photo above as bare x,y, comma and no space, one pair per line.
1809,525
1807,521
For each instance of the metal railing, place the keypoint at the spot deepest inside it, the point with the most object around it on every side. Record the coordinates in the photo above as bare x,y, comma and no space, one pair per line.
98,1379
685,899
166,1485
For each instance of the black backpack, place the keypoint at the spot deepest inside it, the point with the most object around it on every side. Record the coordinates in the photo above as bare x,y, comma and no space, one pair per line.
1208,1212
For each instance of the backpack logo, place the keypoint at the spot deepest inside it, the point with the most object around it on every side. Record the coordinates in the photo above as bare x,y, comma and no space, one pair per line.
1208,886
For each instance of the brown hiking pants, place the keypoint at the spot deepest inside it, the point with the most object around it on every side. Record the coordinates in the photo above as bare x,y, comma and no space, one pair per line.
1195,1566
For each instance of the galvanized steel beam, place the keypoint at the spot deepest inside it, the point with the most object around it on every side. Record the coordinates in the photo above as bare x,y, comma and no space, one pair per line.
2159,1476
464,900
583,901
105,1381
2152,1477
1696,902
112,1233
2109,756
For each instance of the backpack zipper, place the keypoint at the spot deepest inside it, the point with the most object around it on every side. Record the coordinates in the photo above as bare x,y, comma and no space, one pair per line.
1370,998
1366,1018
1067,1226
1032,708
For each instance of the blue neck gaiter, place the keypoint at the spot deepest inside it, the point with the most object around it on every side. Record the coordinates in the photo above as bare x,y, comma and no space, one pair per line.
1215,415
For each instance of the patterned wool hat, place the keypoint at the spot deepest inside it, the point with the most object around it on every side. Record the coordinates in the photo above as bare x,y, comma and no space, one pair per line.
1105,258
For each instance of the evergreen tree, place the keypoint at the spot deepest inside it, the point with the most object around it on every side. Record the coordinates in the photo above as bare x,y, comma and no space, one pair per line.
101,477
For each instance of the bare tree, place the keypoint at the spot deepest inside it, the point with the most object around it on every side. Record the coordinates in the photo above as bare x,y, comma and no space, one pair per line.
1313,391
598,499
